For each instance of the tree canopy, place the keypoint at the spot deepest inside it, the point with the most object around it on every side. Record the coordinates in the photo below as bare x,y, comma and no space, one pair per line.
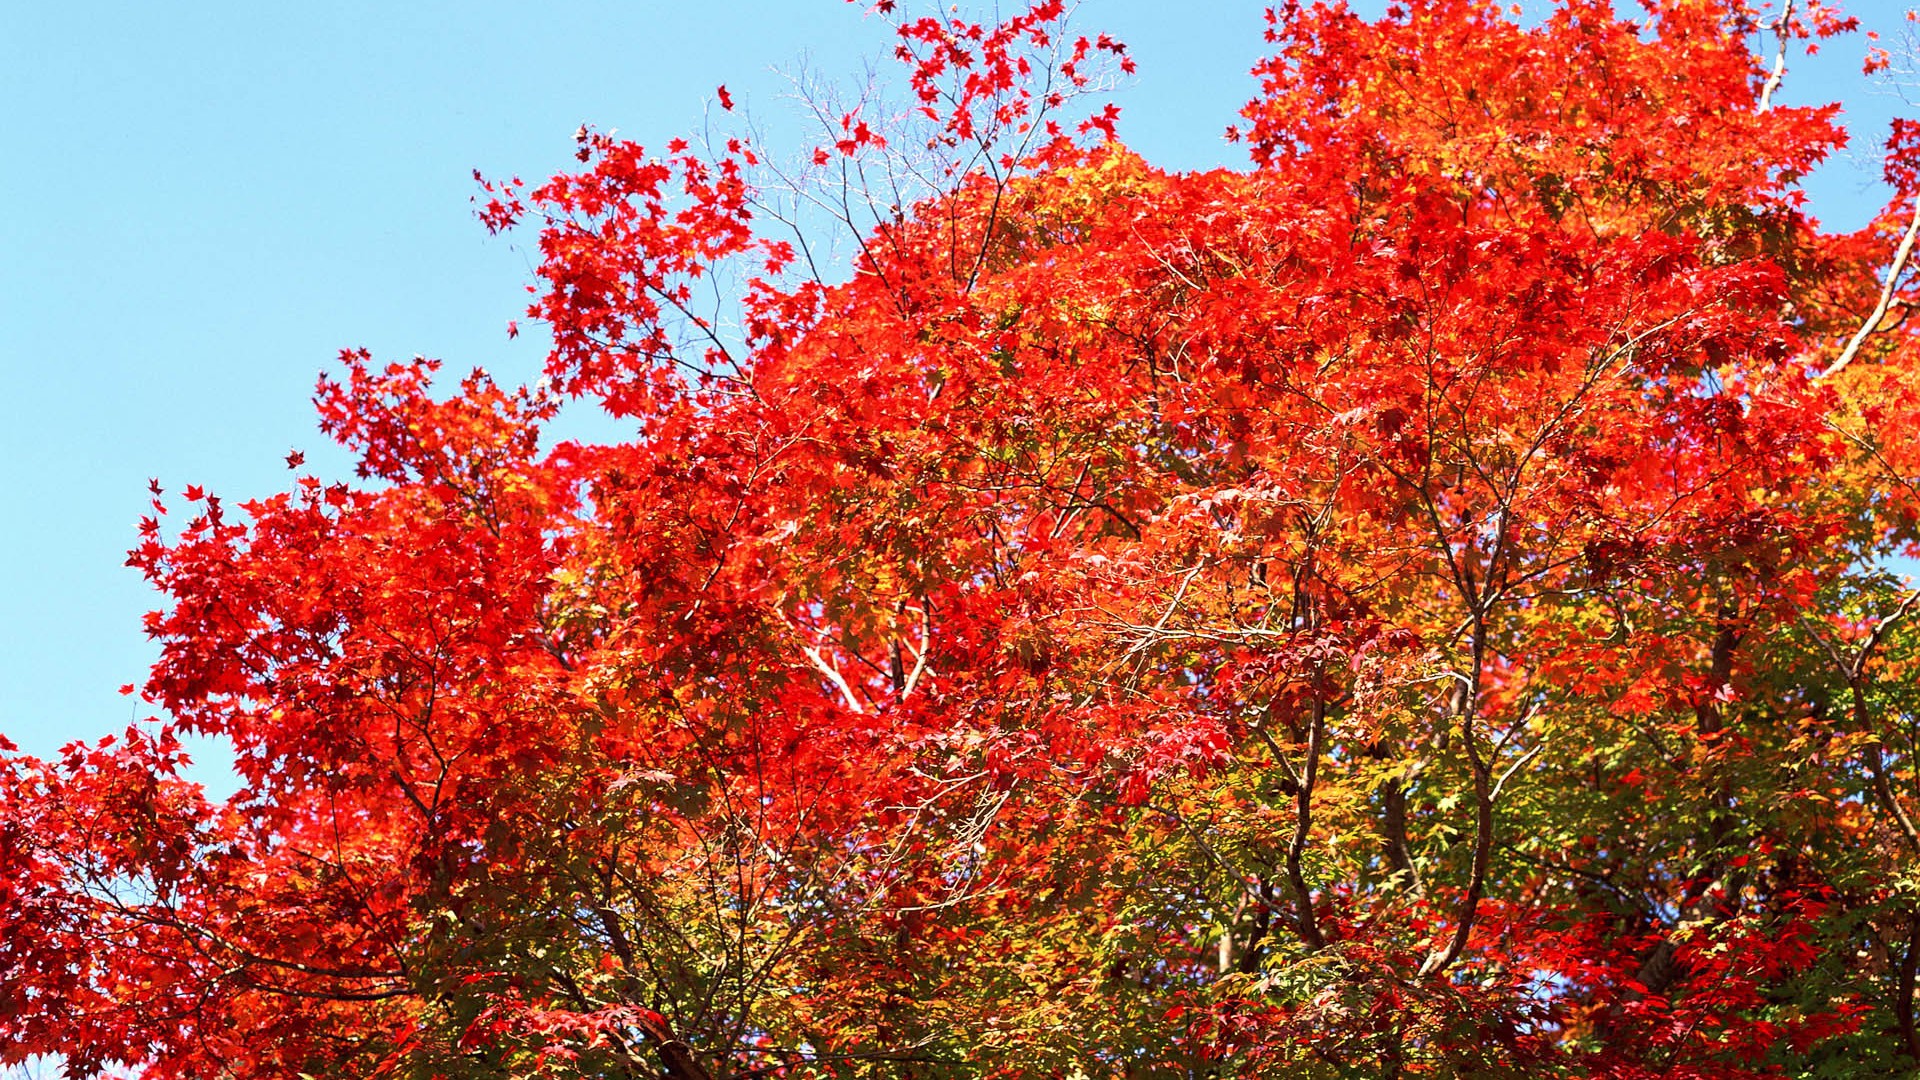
1418,605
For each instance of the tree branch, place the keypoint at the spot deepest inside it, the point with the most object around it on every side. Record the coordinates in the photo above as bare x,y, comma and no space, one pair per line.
1867,328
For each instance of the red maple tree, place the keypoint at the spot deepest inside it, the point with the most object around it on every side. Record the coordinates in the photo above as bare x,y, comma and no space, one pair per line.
1416,606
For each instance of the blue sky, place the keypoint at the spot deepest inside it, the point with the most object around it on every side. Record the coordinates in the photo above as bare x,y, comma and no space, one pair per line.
204,202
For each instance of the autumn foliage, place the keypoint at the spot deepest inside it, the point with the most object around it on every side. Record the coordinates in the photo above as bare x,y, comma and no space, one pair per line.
1416,606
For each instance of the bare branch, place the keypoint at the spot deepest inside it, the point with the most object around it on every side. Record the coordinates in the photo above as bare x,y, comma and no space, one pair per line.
1872,322
1779,56
833,675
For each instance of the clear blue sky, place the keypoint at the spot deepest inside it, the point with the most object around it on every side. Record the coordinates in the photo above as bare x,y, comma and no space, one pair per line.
203,202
